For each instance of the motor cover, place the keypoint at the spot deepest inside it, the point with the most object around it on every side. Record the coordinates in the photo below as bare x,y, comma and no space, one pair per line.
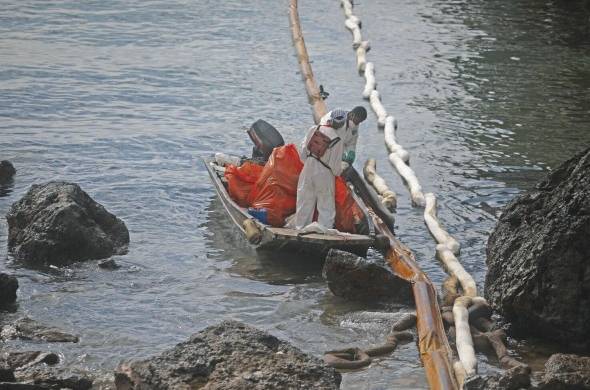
265,138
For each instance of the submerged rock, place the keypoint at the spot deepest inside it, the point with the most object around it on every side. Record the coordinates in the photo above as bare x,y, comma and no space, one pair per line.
58,223
229,356
566,372
538,257
357,278
28,329
7,170
108,264
512,379
8,287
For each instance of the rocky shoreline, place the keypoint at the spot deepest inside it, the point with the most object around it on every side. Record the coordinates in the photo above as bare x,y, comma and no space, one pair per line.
538,280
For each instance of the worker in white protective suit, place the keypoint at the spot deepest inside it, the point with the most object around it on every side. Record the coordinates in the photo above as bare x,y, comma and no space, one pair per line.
350,132
321,152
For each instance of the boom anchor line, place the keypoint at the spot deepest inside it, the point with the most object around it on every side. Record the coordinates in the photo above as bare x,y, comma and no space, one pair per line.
458,306
435,351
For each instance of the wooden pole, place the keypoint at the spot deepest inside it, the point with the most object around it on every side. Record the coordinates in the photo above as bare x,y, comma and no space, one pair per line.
313,92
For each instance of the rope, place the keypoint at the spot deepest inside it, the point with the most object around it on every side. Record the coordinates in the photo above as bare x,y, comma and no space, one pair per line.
354,358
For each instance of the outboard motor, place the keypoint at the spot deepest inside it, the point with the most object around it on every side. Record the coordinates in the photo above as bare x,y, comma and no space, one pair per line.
265,138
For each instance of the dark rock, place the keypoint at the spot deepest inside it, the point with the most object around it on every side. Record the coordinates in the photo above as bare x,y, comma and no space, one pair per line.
512,379
6,374
20,386
518,377
25,359
566,372
28,329
8,287
229,356
59,223
7,170
481,382
108,264
74,382
357,278
41,379
538,257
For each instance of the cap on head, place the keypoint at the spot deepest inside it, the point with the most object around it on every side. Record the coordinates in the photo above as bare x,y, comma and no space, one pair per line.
337,117
358,114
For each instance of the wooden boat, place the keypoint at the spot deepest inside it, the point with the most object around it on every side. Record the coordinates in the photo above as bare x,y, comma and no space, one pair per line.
285,239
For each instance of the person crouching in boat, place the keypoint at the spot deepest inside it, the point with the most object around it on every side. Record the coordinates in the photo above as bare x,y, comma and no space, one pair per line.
321,153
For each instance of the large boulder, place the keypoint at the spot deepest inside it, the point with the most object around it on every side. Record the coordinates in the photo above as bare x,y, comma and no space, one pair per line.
58,223
538,257
8,287
357,278
7,170
229,356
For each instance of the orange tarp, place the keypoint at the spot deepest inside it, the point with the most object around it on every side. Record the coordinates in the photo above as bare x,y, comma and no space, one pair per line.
274,187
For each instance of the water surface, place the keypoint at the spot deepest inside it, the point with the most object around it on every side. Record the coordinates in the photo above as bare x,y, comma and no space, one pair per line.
124,97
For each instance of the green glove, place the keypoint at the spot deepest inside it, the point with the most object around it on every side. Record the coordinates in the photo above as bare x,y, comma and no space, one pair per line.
349,156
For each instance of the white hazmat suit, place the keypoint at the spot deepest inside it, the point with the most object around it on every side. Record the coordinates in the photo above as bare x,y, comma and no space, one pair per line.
315,187
349,133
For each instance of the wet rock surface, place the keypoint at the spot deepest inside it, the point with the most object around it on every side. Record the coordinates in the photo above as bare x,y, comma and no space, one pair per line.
109,264
58,223
28,329
44,379
563,371
230,355
538,257
356,278
25,359
7,170
512,379
8,287
33,370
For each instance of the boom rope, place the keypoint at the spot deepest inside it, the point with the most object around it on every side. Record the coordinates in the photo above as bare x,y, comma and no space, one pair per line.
448,247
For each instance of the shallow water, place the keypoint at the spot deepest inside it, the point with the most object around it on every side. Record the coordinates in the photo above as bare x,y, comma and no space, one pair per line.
123,98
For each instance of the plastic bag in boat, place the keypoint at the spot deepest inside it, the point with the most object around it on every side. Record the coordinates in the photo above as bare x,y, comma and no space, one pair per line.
241,180
276,188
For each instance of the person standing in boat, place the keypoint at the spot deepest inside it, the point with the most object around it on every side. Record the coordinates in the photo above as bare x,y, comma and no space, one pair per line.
350,132
321,153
